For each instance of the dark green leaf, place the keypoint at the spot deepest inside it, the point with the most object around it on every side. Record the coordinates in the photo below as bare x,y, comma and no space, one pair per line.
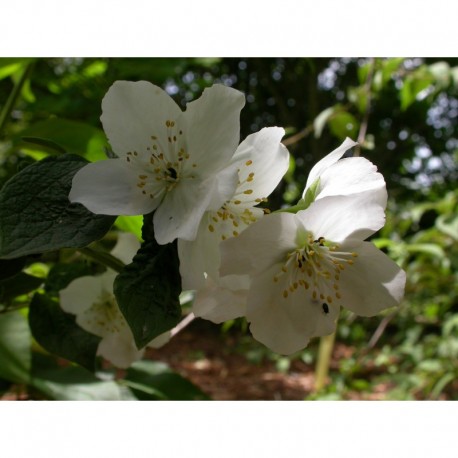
58,333
152,380
10,267
48,144
21,283
15,354
147,291
36,215
61,275
72,383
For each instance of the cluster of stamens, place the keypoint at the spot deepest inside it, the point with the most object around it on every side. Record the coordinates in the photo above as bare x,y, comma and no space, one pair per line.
164,165
108,315
230,210
316,267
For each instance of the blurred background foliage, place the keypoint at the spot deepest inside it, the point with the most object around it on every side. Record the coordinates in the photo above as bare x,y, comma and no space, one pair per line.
403,111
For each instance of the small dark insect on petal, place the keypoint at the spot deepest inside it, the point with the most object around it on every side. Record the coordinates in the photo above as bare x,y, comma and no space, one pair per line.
173,172
325,308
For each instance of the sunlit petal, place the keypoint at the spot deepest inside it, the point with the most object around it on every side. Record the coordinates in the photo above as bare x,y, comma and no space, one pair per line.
133,112
110,188
373,283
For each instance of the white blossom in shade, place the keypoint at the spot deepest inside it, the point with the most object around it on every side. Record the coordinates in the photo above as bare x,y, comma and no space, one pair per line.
167,160
261,161
333,176
93,302
303,267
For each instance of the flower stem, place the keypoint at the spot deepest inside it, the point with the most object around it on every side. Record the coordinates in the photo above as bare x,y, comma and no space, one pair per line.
104,258
324,360
12,99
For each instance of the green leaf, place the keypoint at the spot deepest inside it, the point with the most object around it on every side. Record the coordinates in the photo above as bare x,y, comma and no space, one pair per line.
413,85
15,353
343,124
389,67
10,267
36,215
130,224
148,291
21,283
10,66
152,380
75,384
71,136
60,276
321,120
58,333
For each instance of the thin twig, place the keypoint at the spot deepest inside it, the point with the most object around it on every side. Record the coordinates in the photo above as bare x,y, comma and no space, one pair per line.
305,132
12,99
182,324
365,121
380,329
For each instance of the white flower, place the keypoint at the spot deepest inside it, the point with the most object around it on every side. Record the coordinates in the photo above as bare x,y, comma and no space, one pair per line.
261,161
167,159
304,266
93,302
333,176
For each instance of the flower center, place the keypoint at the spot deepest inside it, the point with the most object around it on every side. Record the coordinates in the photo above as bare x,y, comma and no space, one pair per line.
316,266
165,163
229,222
106,314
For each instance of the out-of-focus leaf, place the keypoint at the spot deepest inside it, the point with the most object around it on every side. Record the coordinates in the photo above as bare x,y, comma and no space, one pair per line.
10,66
36,215
15,354
71,136
152,380
58,333
413,85
321,120
10,267
75,384
426,248
358,96
61,275
448,224
343,124
389,67
21,283
131,224
441,73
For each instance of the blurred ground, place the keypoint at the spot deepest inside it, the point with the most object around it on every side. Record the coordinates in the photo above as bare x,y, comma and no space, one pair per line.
218,364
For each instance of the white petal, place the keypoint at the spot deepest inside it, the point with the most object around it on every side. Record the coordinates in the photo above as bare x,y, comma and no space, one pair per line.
262,155
110,188
80,294
373,283
160,340
260,245
213,127
182,209
218,304
133,112
126,247
285,324
338,217
225,187
327,161
199,256
120,350
350,176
